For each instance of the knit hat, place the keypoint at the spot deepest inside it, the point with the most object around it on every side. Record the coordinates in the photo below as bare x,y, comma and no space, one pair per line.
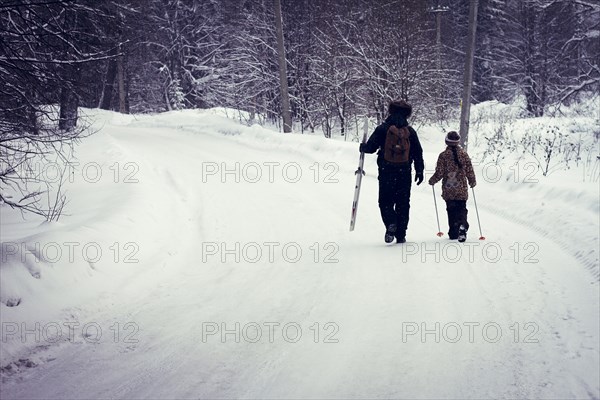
400,107
452,138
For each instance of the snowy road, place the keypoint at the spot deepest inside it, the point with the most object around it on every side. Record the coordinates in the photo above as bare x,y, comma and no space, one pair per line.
251,286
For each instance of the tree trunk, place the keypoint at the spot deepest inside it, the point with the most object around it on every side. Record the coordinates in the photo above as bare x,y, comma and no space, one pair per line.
31,112
69,102
69,79
109,85
121,79
285,99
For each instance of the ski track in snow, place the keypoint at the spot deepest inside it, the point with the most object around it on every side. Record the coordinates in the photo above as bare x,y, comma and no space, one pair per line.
372,294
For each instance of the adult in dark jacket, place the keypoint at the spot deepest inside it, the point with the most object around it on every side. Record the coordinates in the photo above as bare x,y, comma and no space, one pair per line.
395,178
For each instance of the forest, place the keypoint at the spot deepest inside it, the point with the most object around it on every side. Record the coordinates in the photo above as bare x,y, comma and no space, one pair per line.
345,59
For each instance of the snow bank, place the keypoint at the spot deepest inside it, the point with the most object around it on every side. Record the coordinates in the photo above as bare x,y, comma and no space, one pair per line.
555,193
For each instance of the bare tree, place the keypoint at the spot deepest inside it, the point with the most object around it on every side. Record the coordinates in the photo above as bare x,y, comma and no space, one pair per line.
40,61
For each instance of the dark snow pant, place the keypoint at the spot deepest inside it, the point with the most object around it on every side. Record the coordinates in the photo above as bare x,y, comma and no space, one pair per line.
457,216
394,198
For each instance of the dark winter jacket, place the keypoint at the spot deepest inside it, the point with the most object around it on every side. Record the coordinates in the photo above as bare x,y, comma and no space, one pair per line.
454,178
377,142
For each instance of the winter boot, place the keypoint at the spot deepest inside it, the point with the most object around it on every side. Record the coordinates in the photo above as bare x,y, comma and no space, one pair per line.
462,233
390,232
401,236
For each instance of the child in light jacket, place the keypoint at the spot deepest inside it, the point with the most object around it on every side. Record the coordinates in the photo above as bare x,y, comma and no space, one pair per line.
454,168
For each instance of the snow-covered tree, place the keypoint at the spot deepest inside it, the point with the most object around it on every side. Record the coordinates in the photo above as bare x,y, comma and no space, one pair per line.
45,47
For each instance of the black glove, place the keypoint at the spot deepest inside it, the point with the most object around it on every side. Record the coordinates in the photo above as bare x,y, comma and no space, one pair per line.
361,148
419,178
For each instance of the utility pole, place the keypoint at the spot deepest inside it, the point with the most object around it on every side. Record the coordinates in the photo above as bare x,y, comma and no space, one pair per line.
465,109
438,10
285,97
468,81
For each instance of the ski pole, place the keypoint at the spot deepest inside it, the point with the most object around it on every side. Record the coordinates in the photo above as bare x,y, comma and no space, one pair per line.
437,217
481,237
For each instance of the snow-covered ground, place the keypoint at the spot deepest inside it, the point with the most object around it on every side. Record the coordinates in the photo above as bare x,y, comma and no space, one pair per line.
200,258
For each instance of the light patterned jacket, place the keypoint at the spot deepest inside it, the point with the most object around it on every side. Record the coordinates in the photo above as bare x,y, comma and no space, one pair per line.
454,178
